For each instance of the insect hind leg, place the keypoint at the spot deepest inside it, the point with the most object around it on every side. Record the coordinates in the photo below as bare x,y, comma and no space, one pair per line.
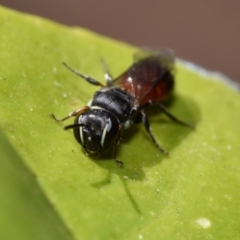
172,117
146,124
168,114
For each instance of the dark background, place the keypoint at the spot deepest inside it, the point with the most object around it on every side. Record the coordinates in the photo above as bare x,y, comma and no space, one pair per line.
205,32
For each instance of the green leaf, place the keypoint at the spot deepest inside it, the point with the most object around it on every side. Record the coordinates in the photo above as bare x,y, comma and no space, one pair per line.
193,194
25,212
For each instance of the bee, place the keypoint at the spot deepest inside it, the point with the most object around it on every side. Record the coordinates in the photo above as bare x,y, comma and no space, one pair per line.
122,102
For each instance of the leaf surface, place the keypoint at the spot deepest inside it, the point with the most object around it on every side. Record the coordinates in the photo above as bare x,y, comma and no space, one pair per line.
193,194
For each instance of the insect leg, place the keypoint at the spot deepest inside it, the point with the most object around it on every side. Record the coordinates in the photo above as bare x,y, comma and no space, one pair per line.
172,117
149,131
107,74
87,78
119,163
72,114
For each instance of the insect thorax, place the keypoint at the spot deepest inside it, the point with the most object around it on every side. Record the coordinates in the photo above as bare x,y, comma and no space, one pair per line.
115,100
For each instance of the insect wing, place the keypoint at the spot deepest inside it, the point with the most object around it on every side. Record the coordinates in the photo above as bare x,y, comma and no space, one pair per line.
145,77
164,56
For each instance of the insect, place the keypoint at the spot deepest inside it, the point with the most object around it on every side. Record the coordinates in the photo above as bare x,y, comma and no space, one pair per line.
121,103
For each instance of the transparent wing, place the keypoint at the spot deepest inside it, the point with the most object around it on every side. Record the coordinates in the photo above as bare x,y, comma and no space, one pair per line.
165,56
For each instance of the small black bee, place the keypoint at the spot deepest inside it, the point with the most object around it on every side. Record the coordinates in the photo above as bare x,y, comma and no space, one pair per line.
122,102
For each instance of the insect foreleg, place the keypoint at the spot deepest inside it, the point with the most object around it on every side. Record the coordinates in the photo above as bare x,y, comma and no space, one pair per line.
115,146
72,114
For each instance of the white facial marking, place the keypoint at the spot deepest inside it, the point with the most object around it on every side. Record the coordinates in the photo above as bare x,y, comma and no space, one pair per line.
105,130
109,124
81,135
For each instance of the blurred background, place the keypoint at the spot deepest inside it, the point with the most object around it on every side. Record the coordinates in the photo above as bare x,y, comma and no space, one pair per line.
204,32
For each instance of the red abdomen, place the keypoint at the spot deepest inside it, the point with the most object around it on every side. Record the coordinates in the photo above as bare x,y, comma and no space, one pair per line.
147,80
